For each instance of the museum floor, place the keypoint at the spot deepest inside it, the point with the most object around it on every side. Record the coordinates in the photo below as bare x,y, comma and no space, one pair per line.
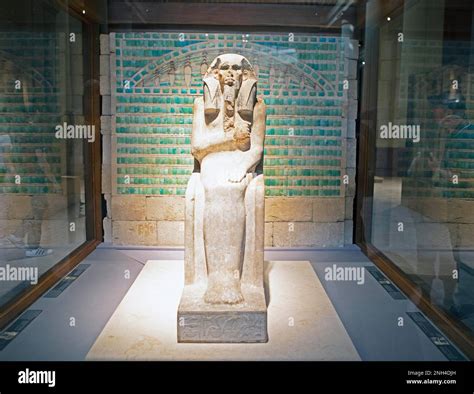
369,313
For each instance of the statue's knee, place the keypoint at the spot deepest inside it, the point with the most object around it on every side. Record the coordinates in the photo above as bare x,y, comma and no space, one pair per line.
193,184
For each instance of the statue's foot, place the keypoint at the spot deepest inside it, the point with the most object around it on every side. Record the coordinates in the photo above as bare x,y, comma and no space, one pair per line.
228,296
232,296
223,292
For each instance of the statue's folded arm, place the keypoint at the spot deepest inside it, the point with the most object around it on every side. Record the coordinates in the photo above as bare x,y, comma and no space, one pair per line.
254,154
202,144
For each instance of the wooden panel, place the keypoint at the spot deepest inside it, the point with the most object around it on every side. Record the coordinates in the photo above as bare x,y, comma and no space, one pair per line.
228,14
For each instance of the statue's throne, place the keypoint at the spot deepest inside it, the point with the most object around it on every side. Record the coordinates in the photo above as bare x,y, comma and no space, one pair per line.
201,322
195,254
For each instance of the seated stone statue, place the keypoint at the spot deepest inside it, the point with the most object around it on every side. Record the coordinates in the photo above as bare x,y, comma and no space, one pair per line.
224,235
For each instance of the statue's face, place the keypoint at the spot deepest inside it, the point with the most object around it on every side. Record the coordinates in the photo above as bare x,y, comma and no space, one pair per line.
230,73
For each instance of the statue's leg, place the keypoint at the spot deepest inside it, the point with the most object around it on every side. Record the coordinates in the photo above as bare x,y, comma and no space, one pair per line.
252,269
194,254
224,224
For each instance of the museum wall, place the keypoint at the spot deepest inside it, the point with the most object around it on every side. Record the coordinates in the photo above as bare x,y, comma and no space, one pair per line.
149,81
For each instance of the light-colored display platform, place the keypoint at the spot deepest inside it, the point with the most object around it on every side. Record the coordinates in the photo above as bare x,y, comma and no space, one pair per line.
302,323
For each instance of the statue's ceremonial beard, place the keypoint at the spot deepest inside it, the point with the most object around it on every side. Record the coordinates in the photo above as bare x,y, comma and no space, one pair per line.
229,95
230,92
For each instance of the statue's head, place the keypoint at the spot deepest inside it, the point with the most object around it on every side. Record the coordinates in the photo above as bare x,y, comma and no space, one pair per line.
230,69
230,78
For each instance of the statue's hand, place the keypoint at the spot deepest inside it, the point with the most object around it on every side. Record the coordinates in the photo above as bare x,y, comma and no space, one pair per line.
242,131
237,174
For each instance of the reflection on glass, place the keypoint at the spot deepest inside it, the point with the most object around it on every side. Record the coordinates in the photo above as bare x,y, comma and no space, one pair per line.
42,197
423,207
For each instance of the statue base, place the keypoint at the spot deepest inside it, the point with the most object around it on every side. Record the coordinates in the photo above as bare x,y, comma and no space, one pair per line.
222,323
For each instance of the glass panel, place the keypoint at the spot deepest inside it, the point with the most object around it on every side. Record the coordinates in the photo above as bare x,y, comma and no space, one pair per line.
423,204
42,201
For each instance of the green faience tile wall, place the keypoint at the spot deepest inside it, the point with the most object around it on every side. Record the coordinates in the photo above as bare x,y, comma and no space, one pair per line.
156,77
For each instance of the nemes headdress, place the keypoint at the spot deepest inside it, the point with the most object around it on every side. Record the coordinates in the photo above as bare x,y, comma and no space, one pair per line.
246,97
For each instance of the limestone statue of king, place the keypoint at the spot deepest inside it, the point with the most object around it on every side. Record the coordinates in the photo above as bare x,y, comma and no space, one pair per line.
224,299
